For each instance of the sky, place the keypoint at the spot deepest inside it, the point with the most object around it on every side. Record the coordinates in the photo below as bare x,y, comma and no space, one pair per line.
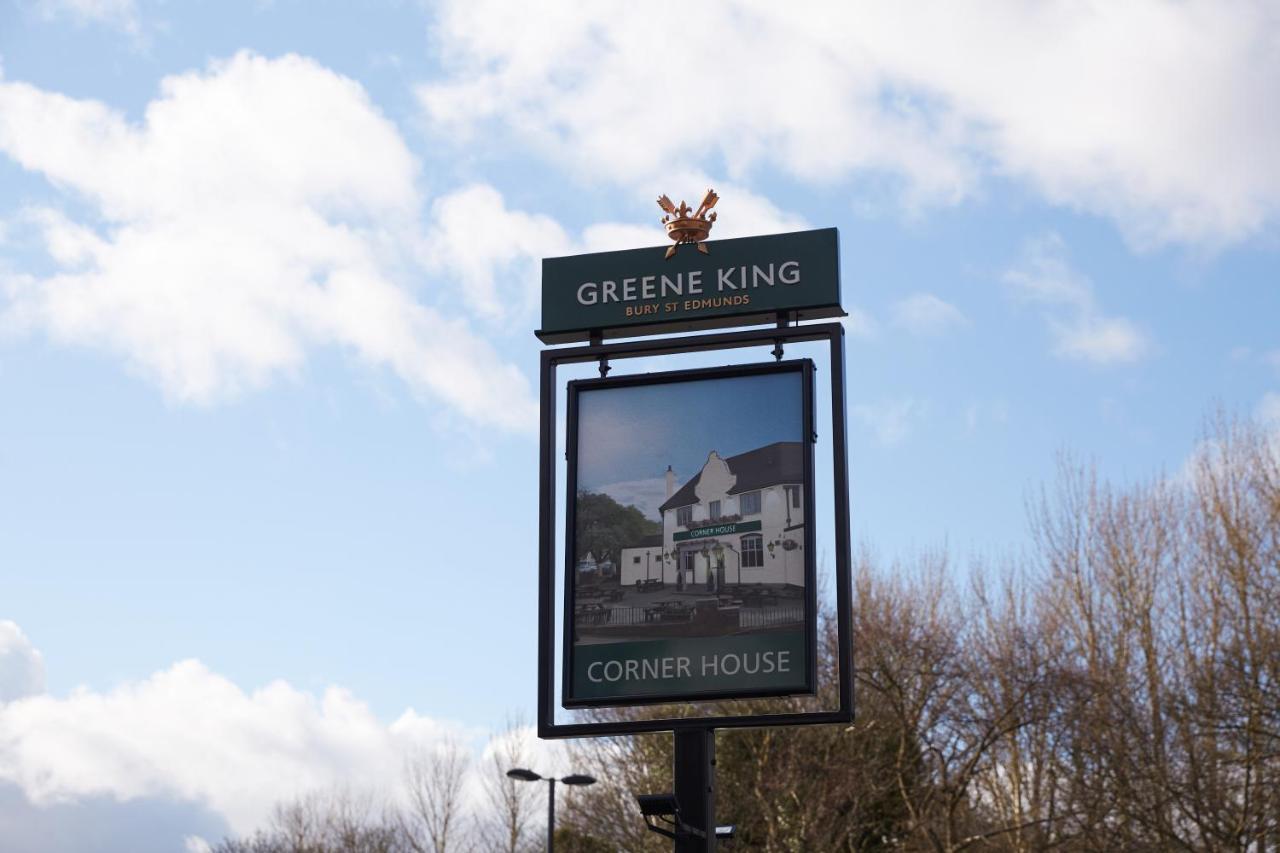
269,276
629,435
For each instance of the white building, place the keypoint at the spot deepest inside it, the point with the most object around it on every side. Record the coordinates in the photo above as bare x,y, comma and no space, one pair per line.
643,561
737,521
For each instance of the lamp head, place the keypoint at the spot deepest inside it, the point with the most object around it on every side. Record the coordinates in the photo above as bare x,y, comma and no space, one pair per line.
523,775
579,779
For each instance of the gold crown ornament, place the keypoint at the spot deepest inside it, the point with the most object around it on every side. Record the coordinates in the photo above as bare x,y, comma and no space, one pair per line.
684,228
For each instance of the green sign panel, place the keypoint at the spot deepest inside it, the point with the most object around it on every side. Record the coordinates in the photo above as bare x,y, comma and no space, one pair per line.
717,530
750,663
737,282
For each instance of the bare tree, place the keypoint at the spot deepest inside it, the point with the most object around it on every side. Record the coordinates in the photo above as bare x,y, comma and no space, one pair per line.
1229,702
337,821
511,802
434,780
623,767
1168,599
1117,689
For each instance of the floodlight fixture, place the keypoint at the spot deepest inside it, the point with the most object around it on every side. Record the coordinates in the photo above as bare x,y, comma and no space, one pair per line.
658,805
664,809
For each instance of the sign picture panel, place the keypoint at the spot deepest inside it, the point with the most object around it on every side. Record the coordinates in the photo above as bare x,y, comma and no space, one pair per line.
689,548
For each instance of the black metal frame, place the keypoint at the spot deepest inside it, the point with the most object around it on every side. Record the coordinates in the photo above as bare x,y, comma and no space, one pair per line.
833,334
804,367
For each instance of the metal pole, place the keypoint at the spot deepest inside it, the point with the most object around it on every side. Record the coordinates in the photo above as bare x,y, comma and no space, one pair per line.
695,776
551,817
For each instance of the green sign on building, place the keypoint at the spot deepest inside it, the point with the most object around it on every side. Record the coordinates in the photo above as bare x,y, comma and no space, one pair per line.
717,530
736,282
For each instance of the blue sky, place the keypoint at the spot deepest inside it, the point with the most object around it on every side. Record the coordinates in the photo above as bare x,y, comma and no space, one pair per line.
269,275
629,435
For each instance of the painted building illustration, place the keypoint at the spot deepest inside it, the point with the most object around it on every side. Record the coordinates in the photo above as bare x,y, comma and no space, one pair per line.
738,521
643,561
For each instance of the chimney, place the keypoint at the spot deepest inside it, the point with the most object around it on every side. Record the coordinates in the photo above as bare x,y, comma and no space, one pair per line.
671,482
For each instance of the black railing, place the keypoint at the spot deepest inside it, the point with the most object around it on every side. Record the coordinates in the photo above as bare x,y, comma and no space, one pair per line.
748,617
766,617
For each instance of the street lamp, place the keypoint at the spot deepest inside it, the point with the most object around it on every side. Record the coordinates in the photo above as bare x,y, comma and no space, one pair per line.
523,775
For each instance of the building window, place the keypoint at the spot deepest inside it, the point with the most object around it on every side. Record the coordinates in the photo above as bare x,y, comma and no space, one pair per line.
715,510
753,551
749,503
684,515
793,496
635,559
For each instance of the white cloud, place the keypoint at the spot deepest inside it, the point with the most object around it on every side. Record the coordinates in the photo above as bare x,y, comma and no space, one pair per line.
122,14
765,92
1240,353
924,314
1268,410
647,495
102,824
187,751
748,215
1212,455
482,243
1074,100
1044,276
492,254
1102,340
890,420
861,325
976,414
255,213
544,757
1079,329
189,734
21,665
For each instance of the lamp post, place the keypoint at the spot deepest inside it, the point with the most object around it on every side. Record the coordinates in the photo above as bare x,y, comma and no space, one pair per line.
718,551
524,775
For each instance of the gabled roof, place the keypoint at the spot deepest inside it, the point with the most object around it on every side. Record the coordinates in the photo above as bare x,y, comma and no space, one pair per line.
780,462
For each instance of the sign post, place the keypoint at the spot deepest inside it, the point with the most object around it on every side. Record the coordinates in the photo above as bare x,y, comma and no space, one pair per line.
694,770
689,543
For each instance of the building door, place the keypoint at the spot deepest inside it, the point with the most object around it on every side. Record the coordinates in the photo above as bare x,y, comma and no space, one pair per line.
715,578
685,578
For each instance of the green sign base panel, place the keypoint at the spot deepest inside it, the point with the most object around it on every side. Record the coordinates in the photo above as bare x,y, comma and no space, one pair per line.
676,668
